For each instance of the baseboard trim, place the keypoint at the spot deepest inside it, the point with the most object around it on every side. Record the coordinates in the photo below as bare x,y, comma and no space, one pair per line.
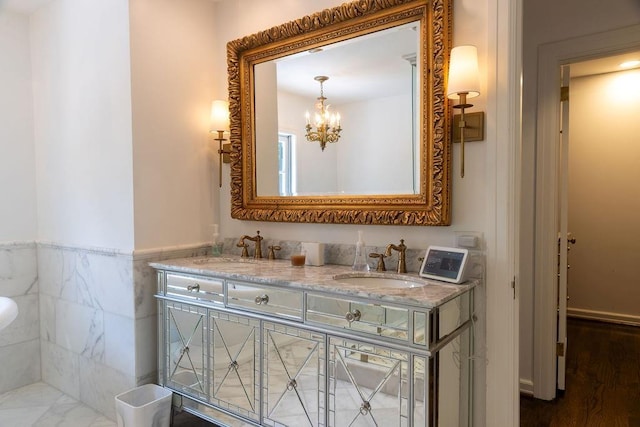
526,387
604,316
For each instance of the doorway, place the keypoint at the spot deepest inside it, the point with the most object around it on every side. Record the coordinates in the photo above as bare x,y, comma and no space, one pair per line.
547,211
598,201
604,195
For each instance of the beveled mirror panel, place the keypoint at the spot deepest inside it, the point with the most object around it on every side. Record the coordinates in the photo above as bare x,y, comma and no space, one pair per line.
386,61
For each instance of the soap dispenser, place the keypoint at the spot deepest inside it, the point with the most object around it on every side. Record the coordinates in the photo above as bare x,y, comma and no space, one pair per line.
216,247
360,261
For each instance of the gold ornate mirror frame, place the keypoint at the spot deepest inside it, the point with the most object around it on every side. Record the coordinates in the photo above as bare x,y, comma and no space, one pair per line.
432,205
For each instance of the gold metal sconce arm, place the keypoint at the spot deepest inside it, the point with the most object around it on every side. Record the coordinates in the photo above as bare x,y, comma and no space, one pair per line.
462,124
223,151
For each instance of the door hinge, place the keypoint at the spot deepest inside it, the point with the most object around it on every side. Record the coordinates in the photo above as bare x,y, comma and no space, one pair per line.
560,349
513,286
564,93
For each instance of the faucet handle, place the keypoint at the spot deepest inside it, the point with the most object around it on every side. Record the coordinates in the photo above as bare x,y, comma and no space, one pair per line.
272,249
244,246
380,266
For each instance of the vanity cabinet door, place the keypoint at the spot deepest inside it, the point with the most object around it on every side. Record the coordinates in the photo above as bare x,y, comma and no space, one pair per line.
184,365
368,384
294,379
235,363
451,373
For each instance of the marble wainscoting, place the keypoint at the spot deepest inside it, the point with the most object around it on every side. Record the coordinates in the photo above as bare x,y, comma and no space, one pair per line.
99,320
20,341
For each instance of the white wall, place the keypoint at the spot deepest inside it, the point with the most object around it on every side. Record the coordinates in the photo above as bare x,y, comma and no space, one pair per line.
375,152
569,18
20,341
111,120
172,72
604,198
93,154
480,201
88,170
235,19
267,111
17,161
82,123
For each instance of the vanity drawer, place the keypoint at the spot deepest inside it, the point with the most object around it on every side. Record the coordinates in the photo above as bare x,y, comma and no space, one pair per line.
265,299
376,319
195,287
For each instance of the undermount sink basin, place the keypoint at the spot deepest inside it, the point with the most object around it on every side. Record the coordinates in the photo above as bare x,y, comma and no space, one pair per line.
8,311
381,281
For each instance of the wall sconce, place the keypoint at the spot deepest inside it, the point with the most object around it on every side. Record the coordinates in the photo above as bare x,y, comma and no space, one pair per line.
220,125
464,83
327,124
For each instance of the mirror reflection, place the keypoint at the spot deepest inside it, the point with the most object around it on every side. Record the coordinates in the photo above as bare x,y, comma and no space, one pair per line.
371,81
391,162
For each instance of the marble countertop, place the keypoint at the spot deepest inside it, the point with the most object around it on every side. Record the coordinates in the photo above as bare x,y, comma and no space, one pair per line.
326,278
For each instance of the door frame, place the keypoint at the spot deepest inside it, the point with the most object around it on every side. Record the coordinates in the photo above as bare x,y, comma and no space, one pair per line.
552,57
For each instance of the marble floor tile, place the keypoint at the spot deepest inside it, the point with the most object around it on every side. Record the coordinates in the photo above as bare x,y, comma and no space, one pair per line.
40,405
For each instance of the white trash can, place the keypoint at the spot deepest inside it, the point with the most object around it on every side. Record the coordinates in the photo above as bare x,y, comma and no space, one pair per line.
145,406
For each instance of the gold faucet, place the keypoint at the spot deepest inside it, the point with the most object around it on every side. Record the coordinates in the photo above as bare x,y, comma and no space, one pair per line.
258,241
402,249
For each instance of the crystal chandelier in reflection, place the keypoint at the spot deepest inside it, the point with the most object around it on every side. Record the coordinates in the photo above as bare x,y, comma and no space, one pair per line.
327,125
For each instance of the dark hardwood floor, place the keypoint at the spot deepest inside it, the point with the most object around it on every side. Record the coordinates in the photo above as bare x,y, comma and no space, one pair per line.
185,419
602,382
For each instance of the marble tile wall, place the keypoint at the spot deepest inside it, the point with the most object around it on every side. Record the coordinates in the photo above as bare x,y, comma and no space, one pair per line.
334,253
88,323
98,321
87,314
20,341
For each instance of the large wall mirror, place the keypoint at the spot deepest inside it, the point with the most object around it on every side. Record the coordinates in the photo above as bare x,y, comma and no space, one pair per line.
377,69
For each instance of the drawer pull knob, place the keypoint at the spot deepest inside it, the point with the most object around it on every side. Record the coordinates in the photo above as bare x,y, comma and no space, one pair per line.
291,385
195,287
262,299
353,316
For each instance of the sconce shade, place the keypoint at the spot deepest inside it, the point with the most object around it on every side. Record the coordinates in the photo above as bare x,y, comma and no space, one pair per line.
463,72
219,116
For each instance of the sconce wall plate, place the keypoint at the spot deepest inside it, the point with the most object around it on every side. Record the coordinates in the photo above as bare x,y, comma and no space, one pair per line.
474,129
226,153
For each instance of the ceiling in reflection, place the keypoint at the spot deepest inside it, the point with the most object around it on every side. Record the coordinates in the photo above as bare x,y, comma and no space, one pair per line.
367,67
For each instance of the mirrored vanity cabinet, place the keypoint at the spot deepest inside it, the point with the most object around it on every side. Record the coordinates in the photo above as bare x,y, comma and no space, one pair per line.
246,342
